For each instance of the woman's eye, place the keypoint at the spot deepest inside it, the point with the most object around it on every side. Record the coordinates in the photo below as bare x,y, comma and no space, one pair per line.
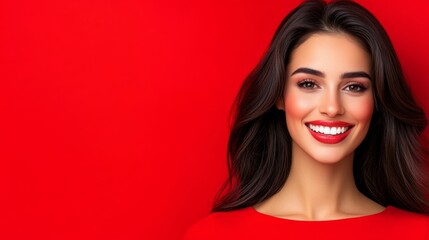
355,88
307,84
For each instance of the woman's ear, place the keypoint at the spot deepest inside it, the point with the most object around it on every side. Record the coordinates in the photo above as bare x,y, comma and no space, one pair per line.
280,104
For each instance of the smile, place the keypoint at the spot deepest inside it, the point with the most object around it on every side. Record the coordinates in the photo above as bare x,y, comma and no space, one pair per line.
329,132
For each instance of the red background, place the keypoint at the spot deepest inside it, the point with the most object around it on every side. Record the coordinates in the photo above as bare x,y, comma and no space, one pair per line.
114,114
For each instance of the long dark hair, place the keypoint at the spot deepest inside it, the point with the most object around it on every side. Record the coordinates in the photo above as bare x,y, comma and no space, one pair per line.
388,163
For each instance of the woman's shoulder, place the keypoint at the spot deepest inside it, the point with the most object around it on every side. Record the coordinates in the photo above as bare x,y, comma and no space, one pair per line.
406,217
217,224
405,224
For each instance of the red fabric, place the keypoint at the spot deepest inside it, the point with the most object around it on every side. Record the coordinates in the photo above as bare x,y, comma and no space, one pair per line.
392,223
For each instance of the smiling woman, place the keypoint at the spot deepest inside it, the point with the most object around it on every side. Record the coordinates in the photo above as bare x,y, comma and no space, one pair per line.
329,78
325,137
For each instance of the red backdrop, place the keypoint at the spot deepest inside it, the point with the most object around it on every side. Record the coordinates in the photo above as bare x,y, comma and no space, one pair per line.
114,114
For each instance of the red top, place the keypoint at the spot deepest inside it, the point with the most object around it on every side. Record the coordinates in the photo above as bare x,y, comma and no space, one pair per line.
247,223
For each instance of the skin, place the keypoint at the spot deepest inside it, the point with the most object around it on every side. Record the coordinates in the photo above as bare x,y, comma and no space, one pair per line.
320,185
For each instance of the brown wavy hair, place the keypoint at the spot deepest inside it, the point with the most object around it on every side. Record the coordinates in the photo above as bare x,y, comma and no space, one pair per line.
388,164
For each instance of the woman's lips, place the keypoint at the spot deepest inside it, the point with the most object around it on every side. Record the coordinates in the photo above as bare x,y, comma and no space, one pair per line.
329,132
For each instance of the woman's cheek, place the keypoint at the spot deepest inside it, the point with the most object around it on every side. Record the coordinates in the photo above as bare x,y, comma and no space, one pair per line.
298,104
362,110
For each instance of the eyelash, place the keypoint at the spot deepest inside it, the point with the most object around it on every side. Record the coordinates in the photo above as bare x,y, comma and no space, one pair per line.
304,84
357,85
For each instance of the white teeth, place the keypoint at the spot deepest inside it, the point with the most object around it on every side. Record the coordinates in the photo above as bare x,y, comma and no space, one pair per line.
328,130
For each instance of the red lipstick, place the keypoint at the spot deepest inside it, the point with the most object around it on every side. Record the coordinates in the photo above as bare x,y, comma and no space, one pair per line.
329,138
330,123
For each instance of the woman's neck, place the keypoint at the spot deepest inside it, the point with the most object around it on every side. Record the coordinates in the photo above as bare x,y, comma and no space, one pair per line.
318,191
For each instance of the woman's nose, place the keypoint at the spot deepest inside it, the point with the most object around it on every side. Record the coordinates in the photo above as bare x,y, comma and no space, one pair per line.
331,104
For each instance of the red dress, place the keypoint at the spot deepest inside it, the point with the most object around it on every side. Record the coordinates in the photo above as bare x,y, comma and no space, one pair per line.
247,223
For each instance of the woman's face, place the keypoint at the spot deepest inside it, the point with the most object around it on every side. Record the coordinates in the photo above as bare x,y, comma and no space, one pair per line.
328,98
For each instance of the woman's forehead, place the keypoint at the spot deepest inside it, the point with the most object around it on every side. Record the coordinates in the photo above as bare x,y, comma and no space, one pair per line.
330,53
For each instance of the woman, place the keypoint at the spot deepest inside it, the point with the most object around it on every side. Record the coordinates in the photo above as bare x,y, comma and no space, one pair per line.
325,137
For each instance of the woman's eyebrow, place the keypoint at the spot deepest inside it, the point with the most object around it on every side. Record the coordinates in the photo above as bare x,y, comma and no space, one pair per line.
359,74
309,71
